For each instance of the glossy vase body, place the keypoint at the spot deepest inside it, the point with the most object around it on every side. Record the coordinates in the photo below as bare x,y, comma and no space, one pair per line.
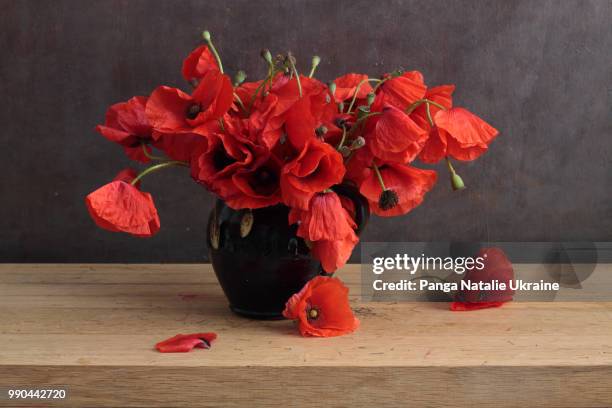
258,259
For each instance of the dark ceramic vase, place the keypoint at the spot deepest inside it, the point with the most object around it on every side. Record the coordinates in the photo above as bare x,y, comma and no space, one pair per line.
258,259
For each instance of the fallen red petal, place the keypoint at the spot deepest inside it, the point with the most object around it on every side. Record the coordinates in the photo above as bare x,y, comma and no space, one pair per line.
182,343
466,307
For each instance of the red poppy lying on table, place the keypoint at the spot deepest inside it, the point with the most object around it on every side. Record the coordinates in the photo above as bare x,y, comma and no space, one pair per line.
288,139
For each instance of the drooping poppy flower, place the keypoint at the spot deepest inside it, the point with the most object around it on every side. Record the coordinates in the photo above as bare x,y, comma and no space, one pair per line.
402,91
318,167
171,110
408,186
330,229
393,136
346,86
322,308
496,267
182,343
459,134
256,186
198,63
127,125
121,207
325,219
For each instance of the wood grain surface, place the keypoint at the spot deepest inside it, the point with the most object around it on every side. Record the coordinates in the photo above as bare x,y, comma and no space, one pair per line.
91,329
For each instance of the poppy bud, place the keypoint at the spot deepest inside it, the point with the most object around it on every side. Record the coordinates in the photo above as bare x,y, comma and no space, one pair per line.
362,111
315,61
206,35
265,54
345,151
239,78
332,87
457,182
388,200
371,98
321,130
341,106
358,143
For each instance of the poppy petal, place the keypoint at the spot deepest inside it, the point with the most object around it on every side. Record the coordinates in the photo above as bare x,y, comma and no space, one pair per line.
182,343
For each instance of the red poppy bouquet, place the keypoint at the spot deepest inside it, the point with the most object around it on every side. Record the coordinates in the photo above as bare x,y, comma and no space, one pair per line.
289,139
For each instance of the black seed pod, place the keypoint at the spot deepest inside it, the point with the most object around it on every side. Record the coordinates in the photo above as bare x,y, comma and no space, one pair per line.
388,200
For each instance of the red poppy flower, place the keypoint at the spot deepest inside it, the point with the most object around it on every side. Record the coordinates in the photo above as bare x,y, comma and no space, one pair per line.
308,115
182,343
121,207
409,184
402,91
198,63
393,136
171,110
442,95
257,186
346,86
318,167
330,229
497,267
322,309
458,133
127,125
224,155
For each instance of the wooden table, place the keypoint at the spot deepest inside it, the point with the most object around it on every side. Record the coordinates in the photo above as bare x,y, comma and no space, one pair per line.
91,329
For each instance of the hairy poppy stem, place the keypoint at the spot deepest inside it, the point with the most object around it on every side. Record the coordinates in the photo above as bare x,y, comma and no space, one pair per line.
157,167
357,91
295,72
419,102
428,111
206,36
239,101
149,155
379,176
343,138
381,81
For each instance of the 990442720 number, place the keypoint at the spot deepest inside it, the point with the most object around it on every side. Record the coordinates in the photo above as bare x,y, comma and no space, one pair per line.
36,393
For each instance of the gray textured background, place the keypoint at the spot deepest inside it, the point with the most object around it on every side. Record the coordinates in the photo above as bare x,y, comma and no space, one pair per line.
540,71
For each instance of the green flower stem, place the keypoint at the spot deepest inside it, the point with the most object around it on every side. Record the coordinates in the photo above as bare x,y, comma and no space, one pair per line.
343,138
210,44
357,91
295,72
382,81
428,111
157,167
418,103
451,169
239,101
149,155
379,176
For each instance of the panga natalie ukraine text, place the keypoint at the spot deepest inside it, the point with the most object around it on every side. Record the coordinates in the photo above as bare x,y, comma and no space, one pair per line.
423,284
